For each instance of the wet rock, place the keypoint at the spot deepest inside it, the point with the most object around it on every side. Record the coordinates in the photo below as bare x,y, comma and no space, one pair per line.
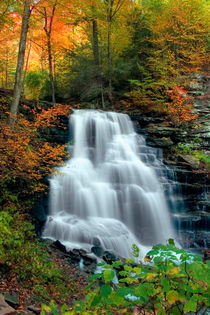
5,309
160,142
39,212
161,130
191,176
191,189
34,309
190,198
57,244
109,257
190,160
79,257
97,249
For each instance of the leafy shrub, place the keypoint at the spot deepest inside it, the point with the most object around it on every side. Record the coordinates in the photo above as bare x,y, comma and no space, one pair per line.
25,155
180,106
202,157
147,95
171,281
27,259
34,82
189,149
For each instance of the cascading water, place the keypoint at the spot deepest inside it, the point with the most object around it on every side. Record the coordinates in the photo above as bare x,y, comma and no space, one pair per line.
106,192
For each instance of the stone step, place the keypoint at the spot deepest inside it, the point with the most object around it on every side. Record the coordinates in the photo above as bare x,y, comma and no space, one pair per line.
192,222
190,189
194,239
187,176
188,205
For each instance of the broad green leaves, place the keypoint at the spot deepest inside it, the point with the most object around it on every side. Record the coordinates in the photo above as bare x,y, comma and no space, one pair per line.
108,275
174,281
162,285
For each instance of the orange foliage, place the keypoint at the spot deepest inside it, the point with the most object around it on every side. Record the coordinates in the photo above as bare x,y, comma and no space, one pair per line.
24,156
49,118
180,109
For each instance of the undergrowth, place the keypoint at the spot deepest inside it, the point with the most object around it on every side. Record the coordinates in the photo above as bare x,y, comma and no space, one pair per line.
170,281
189,149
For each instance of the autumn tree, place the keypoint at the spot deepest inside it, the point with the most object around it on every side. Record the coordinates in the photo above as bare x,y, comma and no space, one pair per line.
179,29
112,8
20,62
48,24
5,10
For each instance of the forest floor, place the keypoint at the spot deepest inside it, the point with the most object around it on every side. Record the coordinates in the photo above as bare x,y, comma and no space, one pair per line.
21,296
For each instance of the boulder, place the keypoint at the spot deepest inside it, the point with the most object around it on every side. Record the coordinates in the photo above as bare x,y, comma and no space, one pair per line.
191,160
57,244
97,249
34,309
5,309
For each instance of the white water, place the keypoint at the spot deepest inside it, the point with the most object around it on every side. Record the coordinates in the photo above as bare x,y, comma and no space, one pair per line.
105,192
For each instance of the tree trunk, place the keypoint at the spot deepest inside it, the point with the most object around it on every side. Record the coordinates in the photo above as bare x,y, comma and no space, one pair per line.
20,63
26,69
51,67
95,43
27,61
109,60
48,31
6,68
97,60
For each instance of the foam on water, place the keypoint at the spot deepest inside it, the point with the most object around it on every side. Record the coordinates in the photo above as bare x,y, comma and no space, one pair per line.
105,191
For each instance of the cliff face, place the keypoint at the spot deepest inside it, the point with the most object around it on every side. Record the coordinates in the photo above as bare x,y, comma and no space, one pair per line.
191,213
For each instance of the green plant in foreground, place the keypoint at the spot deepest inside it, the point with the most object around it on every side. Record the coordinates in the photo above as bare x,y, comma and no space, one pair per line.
27,258
172,281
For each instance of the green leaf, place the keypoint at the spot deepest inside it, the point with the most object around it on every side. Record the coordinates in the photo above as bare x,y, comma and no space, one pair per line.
153,252
123,273
46,308
172,296
95,276
64,308
96,300
137,270
166,284
130,261
128,268
108,275
175,311
191,305
161,312
117,264
124,291
135,250
101,264
141,291
171,241
208,263
89,286
106,290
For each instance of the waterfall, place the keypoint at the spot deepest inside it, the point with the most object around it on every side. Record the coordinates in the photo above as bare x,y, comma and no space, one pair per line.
108,191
